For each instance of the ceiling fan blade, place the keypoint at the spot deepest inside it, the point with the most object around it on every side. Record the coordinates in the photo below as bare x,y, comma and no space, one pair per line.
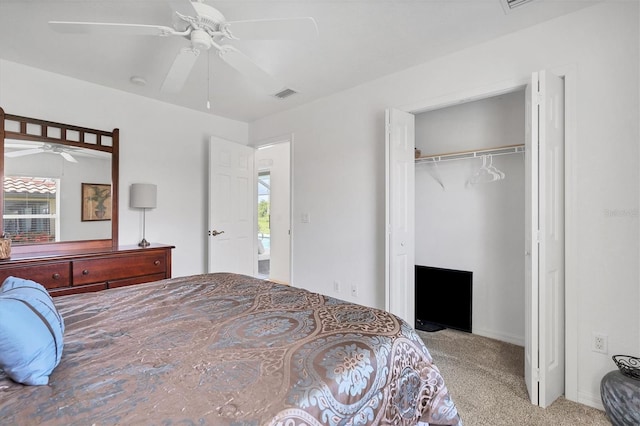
182,65
13,154
110,28
68,157
15,144
272,29
243,64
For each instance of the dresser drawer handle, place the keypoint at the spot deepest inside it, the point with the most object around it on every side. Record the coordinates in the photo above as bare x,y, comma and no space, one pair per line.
85,272
55,276
156,262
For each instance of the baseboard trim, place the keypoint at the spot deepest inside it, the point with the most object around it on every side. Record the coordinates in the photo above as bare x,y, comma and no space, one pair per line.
587,398
492,334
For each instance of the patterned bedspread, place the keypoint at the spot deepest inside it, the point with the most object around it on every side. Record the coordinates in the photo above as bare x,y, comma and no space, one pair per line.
224,349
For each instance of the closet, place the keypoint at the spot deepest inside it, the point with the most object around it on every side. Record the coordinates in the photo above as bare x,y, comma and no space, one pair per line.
469,205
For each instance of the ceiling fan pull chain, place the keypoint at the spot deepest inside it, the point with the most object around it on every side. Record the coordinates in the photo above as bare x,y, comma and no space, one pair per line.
208,80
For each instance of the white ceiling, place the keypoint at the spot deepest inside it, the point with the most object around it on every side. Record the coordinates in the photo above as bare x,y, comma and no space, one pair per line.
360,40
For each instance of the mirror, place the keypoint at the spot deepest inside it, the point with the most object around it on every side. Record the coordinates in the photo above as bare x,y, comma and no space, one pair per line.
60,185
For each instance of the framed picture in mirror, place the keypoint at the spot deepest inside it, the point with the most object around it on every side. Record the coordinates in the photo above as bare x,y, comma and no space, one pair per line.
96,202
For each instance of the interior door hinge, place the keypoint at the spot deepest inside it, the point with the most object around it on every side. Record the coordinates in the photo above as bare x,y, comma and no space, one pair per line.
536,374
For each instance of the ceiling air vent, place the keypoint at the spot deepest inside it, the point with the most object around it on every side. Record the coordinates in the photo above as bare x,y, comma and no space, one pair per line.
509,5
285,93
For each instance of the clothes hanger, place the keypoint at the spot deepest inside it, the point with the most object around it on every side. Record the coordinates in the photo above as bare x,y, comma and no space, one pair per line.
493,168
435,174
485,174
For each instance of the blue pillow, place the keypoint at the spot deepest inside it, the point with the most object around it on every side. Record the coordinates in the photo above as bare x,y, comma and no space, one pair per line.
31,332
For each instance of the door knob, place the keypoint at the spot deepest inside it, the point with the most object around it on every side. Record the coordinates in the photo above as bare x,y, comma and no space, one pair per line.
214,232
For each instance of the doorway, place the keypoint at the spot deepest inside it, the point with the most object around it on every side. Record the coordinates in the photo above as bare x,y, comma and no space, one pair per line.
548,318
233,237
273,177
264,223
469,200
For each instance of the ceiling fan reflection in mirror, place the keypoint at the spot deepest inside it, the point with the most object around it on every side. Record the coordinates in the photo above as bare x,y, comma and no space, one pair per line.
14,150
205,27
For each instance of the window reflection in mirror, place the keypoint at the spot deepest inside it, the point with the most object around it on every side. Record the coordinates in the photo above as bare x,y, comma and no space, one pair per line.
30,209
42,192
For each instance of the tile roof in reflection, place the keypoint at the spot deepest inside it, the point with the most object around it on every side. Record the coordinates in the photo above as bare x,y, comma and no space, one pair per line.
31,185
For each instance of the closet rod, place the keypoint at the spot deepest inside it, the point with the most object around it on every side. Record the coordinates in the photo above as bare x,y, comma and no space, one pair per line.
459,155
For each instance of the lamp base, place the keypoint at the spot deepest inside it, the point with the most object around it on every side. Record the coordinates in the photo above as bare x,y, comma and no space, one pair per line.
144,243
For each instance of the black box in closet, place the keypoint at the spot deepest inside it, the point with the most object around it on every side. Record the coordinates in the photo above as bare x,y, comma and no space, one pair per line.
443,299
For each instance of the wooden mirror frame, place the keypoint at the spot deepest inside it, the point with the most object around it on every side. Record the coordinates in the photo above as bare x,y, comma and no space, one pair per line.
45,136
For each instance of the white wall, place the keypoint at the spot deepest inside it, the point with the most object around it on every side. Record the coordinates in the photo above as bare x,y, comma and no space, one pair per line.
478,228
276,159
339,171
159,143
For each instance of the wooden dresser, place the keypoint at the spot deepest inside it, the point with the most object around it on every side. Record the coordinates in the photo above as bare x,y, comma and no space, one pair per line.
78,272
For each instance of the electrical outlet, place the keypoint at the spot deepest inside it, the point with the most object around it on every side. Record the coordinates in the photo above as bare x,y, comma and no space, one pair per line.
600,343
336,286
354,290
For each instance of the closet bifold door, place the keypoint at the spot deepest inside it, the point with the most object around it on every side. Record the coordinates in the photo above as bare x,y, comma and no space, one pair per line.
400,215
544,263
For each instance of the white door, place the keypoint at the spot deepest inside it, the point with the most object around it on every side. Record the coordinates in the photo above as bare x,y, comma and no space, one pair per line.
232,206
400,215
544,264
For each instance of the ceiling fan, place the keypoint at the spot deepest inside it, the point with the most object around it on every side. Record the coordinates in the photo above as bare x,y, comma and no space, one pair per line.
47,147
205,27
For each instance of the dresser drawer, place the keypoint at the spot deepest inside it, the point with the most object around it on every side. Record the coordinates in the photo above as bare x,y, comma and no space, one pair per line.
76,271
50,275
118,267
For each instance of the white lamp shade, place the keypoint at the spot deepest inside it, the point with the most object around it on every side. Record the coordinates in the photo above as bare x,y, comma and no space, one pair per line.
143,195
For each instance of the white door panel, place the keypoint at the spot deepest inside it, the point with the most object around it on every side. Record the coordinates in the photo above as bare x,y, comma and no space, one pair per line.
400,238
544,265
551,287
531,242
231,208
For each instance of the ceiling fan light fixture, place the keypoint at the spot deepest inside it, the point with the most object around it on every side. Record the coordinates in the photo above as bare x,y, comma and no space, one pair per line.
200,40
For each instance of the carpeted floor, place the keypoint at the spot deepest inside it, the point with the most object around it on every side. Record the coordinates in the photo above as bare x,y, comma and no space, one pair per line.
486,381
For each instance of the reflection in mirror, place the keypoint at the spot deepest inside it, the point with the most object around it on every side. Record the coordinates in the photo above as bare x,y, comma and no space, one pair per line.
43,197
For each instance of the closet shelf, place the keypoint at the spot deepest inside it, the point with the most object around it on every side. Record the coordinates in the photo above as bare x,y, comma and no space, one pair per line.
460,155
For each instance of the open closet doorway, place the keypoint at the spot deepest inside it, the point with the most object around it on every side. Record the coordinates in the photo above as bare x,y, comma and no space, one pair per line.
543,285
470,201
273,175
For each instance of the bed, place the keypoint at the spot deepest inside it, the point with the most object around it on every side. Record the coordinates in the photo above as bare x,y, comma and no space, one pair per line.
226,349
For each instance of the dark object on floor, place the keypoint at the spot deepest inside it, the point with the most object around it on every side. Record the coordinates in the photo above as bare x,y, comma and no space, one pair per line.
428,326
443,298
621,398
